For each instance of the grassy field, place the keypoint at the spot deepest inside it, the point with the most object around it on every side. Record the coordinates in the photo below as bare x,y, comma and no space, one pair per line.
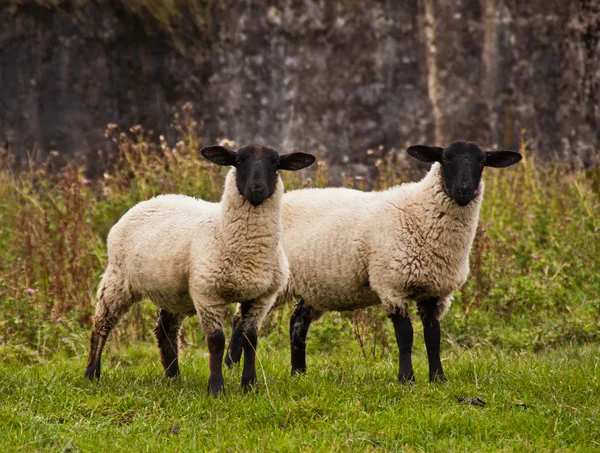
523,333
534,402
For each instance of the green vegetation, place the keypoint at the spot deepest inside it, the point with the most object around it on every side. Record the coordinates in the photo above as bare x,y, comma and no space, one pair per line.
523,330
544,402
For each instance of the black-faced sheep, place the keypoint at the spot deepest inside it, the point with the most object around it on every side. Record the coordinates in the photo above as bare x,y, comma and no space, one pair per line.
349,249
191,256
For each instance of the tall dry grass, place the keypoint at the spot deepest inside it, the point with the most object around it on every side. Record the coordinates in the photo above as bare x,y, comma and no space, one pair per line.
535,266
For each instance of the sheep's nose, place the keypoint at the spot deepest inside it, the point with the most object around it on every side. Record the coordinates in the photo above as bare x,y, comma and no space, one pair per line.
257,189
464,192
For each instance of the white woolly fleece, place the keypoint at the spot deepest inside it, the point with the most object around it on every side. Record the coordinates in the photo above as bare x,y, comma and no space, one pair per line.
349,249
189,255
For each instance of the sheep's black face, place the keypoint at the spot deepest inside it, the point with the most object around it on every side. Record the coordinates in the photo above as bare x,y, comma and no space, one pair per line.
256,168
256,172
462,166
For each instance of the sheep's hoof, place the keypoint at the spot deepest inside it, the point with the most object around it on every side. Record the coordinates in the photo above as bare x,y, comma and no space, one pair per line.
298,371
92,373
437,378
229,363
172,372
216,385
248,388
406,378
248,383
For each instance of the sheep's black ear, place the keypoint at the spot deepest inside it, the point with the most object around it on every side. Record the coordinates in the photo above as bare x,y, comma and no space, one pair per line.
426,153
500,159
295,161
218,155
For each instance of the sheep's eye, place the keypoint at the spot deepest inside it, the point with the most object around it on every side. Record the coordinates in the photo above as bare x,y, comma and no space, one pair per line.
445,161
482,164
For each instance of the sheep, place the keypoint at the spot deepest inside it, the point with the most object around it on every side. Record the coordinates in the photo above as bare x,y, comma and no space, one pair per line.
191,256
349,249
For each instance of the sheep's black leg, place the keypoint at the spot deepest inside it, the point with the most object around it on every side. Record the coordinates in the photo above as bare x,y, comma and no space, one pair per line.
167,336
234,350
299,325
97,342
113,302
216,349
404,338
431,330
250,341
244,337
108,312
252,313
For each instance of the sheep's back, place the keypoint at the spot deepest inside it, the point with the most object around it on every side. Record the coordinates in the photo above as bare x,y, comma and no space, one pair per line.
150,244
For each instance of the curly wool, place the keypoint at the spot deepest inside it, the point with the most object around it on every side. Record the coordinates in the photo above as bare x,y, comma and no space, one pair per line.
188,255
349,249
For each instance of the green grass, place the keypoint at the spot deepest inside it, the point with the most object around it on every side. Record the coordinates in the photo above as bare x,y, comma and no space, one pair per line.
535,402
524,329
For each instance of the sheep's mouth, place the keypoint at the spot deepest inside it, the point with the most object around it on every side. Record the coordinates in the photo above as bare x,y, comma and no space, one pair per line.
463,202
256,203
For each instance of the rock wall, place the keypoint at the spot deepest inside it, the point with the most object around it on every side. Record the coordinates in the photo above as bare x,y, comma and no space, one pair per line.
335,78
